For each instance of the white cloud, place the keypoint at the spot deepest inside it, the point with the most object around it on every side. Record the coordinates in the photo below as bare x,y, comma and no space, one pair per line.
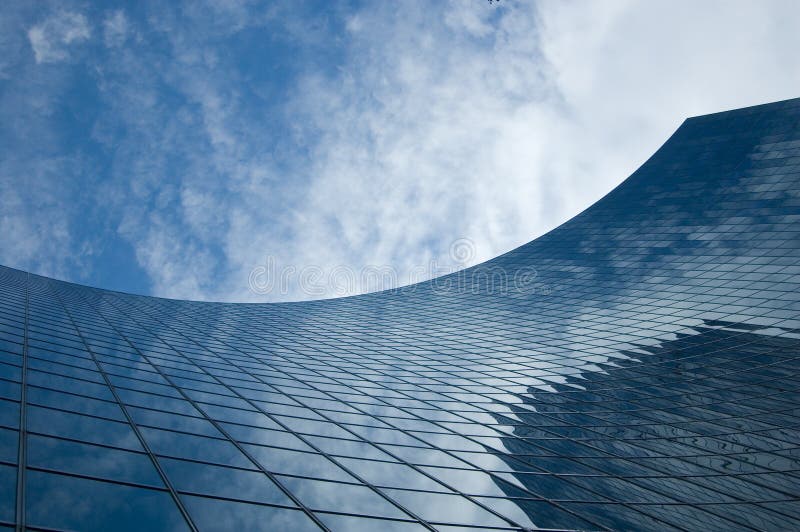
445,120
115,28
494,123
499,133
34,225
51,38
465,17
658,61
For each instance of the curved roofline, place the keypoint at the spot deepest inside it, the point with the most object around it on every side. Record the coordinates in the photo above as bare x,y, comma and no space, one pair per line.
738,110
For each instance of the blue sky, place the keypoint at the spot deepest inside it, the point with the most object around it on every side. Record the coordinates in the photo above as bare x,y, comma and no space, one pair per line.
170,148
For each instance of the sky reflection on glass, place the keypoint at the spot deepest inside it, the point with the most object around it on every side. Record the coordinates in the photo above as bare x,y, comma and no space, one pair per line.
653,384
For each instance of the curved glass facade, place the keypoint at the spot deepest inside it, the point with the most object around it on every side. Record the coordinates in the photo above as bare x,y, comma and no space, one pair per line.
635,368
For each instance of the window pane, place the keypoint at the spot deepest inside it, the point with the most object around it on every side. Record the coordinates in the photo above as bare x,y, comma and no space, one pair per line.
440,507
92,460
349,523
59,501
179,445
214,515
89,429
297,463
8,492
9,441
335,497
225,482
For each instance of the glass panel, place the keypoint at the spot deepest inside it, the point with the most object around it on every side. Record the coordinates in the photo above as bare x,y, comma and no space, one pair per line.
75,403
355,449
349,523
8,492
178,445
9,413
260,436
297,463
9,390
89,429
166,420
466,481
214,515
536,514
226,482
9,441
59,501
91,460
442,508
335,497
391,474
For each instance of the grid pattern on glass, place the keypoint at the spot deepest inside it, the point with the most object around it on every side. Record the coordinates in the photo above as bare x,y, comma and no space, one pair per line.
653,385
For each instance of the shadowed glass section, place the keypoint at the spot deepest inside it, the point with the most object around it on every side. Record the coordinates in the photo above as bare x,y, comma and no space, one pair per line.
636,368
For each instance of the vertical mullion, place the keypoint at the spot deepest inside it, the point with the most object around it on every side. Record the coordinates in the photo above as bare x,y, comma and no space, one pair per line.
21,458
302,506
260,409
133,426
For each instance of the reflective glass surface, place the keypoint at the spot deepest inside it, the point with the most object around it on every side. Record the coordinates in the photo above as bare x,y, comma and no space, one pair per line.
635,368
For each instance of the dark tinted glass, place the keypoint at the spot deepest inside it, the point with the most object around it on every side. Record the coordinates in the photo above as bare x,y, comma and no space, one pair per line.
58,501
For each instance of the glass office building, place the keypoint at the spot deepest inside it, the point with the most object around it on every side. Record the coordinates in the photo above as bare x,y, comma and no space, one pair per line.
635,368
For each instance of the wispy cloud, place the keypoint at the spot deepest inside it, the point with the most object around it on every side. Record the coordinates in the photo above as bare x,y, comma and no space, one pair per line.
35,230
498,124
50,39
115,28
217,135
